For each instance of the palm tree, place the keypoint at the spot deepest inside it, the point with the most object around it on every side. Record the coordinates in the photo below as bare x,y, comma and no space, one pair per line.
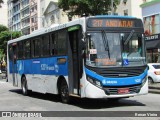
1,1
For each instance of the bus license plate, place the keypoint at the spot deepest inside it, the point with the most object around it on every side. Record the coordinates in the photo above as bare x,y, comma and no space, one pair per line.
123,90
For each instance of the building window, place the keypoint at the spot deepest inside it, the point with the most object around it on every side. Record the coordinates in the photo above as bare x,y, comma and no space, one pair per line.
125,12
152,24
52,19
125,2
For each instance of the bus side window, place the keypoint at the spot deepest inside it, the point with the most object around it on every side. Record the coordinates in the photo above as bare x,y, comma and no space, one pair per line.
27,49
10,53
20,50
45,45
36,48
62,42
54,39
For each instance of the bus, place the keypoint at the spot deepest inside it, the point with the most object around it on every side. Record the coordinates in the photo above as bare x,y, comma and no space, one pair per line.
90,57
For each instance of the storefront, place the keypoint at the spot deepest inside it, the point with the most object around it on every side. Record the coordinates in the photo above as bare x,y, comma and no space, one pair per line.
151,20
153,48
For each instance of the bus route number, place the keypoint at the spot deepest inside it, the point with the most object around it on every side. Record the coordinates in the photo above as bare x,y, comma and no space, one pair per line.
97,23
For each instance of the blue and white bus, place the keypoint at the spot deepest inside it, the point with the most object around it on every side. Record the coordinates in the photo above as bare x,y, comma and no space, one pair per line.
91,57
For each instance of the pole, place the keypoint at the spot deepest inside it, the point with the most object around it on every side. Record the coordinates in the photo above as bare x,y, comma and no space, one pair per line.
112,1
11,34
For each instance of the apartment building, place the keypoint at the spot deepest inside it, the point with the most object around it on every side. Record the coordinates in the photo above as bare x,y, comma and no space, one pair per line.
26,15
151,19
33,15
130,8
14,15
3,13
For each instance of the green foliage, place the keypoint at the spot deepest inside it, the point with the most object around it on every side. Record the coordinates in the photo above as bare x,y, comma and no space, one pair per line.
3,28
6,35
89,7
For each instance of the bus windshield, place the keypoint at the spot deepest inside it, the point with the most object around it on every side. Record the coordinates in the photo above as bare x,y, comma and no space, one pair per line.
106,49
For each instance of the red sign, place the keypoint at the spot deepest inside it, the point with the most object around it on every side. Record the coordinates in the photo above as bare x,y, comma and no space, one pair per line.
123,90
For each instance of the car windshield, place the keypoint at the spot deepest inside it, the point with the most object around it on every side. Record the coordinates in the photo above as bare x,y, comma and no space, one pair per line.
114,49
156,66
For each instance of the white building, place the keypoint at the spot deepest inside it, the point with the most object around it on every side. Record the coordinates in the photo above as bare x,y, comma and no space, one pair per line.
41,9
54,15
3,14
130,8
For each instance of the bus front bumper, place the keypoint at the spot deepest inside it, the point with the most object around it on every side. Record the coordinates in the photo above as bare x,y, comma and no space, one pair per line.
92,91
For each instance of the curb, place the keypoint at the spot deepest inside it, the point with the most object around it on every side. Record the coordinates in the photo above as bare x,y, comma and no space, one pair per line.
152,87
155,91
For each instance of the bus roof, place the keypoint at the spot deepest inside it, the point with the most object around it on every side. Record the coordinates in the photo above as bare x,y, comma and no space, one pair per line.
65,25
48,29
115,16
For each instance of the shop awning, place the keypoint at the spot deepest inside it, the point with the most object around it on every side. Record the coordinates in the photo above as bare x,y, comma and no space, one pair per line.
151,44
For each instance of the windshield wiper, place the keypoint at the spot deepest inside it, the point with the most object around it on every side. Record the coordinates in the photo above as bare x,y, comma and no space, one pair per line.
129,37
105,41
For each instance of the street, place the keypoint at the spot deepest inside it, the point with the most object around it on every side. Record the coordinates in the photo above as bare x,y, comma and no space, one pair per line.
11,99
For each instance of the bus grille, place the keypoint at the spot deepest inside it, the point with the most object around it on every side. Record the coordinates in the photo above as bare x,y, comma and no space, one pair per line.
114,90
119,72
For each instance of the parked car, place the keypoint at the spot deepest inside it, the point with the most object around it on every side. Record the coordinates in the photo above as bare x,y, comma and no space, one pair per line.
153,72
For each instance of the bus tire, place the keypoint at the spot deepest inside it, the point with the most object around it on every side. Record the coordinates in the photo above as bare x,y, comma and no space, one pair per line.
64,92
24,86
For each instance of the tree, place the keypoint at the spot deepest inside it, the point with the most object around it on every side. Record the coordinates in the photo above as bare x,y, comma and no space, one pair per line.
88,7
3,28
6,35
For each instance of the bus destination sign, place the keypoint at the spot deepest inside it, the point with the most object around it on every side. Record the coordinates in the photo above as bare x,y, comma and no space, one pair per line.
123,23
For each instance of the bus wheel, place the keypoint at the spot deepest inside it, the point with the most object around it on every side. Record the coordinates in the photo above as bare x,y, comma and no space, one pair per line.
64,92
24,86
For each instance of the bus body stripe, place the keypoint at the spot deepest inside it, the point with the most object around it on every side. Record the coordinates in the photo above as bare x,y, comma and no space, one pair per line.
43,66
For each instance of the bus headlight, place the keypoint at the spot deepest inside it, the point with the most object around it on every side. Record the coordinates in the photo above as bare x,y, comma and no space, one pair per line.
144,80
94,82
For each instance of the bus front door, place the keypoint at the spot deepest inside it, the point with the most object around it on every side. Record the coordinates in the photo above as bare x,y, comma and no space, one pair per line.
73,62
14,65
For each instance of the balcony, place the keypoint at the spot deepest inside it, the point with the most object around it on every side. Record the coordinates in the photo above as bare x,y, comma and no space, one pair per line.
25,16
26,26
24,7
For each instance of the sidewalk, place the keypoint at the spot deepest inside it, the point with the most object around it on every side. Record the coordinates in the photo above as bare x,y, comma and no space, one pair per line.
2,77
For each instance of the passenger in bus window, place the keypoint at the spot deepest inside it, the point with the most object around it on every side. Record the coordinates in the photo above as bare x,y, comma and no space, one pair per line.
135,53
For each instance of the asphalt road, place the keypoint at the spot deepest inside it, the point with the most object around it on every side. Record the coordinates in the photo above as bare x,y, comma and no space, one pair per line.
11,99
